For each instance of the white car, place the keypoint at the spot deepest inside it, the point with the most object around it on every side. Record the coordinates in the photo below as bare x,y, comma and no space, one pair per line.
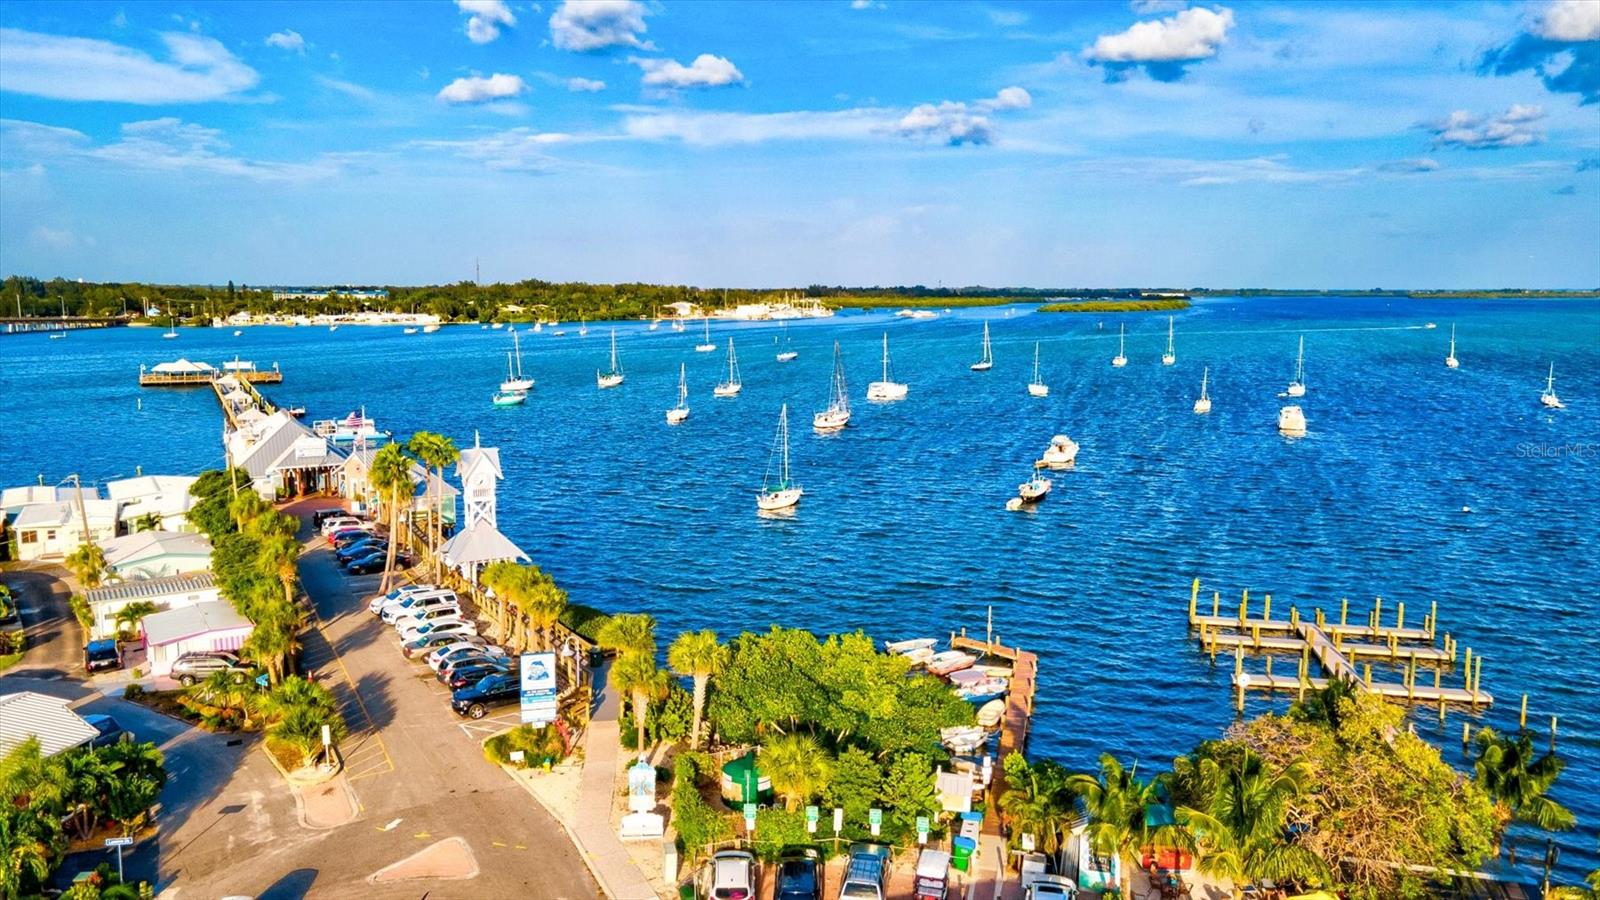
449,653
428,614
377,602
414,603
1052,887
447,625
339,522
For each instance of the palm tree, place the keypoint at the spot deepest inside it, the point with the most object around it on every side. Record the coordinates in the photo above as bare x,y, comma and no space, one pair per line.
504,580
224,691
437,451
86,776
1238,814
636,675
279,557
629,633
28,841
1517,779
697,654
133,615
1041,805
88,565
245,507
1116,800
147,522
274,640
798,767
391,476
542,602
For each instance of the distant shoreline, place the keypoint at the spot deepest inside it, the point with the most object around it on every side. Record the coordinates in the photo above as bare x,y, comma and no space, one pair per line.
1153,304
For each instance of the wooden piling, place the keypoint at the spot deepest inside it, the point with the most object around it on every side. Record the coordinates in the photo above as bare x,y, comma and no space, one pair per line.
1522,720
1344,611
1216,603
1244,606
1433,618
1194,598
1366,674
1400,614
1266,610
1552,734
1477,678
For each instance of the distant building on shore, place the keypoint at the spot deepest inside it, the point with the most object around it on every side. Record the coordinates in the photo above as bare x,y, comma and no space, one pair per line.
319,293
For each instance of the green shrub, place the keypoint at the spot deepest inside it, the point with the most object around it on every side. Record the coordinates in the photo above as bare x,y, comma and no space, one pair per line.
133,692
538,745
697,822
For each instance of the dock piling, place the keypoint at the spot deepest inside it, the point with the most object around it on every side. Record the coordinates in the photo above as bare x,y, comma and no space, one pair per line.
1400,614
1216,604
1344,610
1522,720
1244,606
1266,610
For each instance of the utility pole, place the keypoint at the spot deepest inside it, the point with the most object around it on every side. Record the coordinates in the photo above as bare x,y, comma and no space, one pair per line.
82,514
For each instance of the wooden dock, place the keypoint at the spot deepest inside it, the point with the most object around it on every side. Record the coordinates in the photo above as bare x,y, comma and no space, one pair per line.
199,379
1018,714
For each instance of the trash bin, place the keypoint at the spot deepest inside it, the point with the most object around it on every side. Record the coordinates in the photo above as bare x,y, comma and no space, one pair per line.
961,850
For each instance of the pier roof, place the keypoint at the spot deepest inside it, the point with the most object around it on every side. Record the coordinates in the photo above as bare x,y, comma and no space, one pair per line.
182,367
481,543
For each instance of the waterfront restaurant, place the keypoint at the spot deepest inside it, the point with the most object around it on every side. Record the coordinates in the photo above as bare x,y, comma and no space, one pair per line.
285,458
354,485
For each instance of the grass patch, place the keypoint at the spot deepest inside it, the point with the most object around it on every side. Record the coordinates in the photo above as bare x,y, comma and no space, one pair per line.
9,660
1115,306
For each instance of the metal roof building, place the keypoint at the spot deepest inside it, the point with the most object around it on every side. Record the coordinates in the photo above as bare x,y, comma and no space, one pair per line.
27,714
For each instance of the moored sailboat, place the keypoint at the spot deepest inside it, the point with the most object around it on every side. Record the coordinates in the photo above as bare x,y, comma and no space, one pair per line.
1171,356
987,362
1037,387
706,346
1450,361
612,377
1203,405
680,412
1549,398
1297,387
781,493
837,415
730,388
1120,360
786,350
515,380
888,389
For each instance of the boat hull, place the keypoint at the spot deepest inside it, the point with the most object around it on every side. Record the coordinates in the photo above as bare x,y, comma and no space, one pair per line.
509,399
1038,390
982,366
677,415
517,384
1292,421
886,391
1168,360
830,420
607,381
704,348
786,357
1296,390
774,500
1202,406
1450,362
1119,361
727,390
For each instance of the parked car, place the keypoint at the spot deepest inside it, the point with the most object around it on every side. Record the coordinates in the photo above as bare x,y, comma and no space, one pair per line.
199,665
443,625
475,701
375,562
733,875
376,602
1052,887
417,602
99,655
344,537
358,549
321,516
933,875
800,875
468,675
334,523
110,731
430,642
866,875
483,657
416,617
450,653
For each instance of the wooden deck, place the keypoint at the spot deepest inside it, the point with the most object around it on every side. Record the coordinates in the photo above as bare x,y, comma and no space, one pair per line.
1018,714
198,379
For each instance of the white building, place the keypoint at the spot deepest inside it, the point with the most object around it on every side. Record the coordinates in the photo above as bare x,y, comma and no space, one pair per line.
479,542
165,496
284,457
157,554
55,530
50,720
207,626
13,499
169,593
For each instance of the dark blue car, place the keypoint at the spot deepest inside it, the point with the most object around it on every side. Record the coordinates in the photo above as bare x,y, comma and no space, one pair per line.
475,701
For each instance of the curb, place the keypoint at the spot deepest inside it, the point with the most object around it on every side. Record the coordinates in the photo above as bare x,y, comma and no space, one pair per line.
572,835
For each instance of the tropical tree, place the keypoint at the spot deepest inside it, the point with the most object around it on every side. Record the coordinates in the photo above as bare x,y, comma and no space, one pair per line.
1116,800
1325,706
636,676
137,782
148,522
629,633
224,691
88,565
275,638
280,558
504,581
541,602
297,710
437,451
133,616
1518,779
798,767
390,475
28,841
1039,802
86,775
245,507
1238,811
698,655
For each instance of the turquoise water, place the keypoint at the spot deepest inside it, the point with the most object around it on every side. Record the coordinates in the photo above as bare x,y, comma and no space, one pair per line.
902,531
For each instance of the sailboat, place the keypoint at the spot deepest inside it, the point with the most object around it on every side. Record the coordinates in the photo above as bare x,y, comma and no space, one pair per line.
1297,387
1549,398
787,352
888,389
706,346
1037,387
655,318
1450,361
782,493
613,376
1203,405
987,362
837,415
515,380
1119,360
730,388
681,411
509,396
172,330
1169,357
583,327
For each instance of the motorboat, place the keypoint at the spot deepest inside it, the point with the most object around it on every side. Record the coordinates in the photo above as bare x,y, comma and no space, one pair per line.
950,661
1061,454
901,648
1292,421
967,677
1203,405
963,738
837,415
990,714
888,390
430,329
509,398
987,362
680,412
983,691
408,331
780,492
1035,489
613,376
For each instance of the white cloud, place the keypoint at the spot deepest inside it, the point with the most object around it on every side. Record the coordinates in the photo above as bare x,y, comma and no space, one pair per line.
584,85
1569,21
1192,34
1010,98
477,89
515,150
950,122
198,69
865,4
1513,128
167,144
348,88
705,71
485,19
711,129
287,39
595,24
1153,7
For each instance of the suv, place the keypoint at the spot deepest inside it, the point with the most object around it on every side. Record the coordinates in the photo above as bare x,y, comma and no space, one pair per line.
490,691
200,665
867,874
800,875
733,875
99,655
110,731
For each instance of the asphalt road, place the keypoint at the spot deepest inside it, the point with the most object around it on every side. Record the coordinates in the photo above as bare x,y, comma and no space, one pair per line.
55,639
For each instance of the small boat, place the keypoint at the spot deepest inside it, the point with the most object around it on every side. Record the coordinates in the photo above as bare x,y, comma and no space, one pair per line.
1061,454
1292,421
429,329
731,387
987,362
901,648
57,337
677,325
499,325
298,412
837,415
983,691
950,661
333,328
515,380
788,352
1037,387
1297,387
655,319
963,738
888,390
1549,398
966,677
1203,405
509,398
680,412
1169,357
612,377
706,346
237,332
172,330
782,492
919,657
408,331
990,714
1450,361
996,670
1036,488
558,332
537,327
1430,326
583,327
1120,360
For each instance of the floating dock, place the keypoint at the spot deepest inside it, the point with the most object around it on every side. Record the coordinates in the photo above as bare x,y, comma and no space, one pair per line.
1019,711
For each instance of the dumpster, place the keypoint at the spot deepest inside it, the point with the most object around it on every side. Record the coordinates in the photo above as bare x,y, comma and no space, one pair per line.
961,852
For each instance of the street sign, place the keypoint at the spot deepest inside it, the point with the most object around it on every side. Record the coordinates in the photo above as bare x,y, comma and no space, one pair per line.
750,818
119,842
1027,842
922,829
811,819
538,683
838,820
875,819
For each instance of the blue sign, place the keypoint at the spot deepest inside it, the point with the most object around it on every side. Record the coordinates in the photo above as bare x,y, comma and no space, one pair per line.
538,683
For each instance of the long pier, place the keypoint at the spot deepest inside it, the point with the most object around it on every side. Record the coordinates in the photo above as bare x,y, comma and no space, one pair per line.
197,379
1018,714
36,324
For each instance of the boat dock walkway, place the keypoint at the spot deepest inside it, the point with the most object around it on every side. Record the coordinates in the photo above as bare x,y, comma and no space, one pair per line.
1322,641
150,378
1019,712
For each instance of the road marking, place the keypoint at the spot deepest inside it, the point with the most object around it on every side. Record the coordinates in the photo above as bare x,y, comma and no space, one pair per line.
422,835
498,843
389,827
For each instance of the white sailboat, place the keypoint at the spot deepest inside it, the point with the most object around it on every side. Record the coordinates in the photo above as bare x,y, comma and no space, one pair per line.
172,330
1120,360
786,350
1292,421
987,362
1203,405
1549,398
887,390
837,415
1037,387
681,411
782,493
1450,361
583,327
730,388
706,346
613,377
1169,357
1297,387
515,380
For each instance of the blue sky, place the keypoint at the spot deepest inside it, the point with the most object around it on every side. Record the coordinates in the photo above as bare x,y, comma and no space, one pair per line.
835,141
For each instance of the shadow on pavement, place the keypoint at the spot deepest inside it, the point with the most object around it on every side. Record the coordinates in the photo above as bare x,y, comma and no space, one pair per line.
376,697
292,886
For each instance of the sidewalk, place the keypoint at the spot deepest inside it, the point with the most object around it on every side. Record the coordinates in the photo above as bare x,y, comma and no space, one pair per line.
596,838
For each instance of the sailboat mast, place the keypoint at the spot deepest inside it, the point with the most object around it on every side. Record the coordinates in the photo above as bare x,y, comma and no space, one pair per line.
783,437
886,356
1169,335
